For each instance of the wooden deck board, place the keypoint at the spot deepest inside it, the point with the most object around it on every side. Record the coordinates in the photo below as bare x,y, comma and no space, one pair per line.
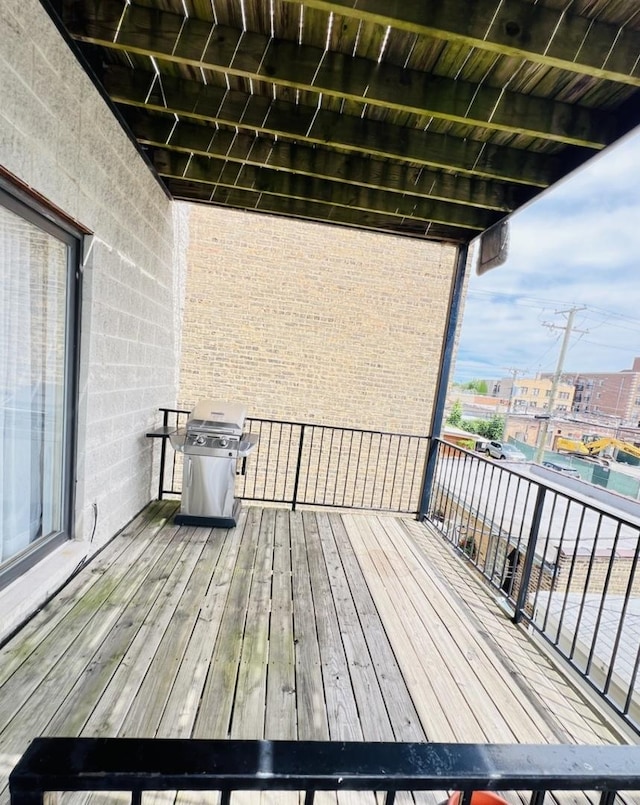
402,713
118,668
251,688
501,711
280,713
40,686
309,625
311,707
61,619
342,709
124,551
530,668
214,715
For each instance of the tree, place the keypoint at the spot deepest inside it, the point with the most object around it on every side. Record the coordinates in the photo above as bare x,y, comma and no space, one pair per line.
477,385
455,415
488,429
494,427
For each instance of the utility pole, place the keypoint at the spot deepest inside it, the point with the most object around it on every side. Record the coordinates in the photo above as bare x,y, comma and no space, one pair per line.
568,329
514,377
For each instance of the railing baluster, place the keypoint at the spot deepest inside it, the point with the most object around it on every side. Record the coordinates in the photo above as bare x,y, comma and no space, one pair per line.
298,465
375,474
346,472
570,577
632,683
585,590
530,555
395,473
605,590
163,454
545,553
623,615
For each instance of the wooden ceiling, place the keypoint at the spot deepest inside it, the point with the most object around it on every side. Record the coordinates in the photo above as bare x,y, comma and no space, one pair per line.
432,119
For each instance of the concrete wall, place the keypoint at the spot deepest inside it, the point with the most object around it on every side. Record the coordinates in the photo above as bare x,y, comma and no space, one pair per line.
58,136
313,323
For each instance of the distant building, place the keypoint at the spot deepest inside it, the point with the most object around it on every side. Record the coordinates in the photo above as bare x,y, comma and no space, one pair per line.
532,394
614,394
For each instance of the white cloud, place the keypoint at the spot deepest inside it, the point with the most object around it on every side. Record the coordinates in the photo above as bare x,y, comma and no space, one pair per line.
577,245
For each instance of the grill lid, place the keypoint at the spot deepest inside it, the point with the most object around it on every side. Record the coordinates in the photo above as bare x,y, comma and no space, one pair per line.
218,416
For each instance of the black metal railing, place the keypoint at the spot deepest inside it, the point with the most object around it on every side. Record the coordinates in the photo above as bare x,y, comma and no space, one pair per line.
301,463
566,565
138,765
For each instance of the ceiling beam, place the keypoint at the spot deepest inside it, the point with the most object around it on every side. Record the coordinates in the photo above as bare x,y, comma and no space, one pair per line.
222,173
163,131
200,44
547,36
307,124
316,212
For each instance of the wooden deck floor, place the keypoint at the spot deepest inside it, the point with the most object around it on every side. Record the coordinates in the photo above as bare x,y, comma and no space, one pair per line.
309,625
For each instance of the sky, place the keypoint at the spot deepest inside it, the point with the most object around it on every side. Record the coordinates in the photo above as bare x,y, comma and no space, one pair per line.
576,245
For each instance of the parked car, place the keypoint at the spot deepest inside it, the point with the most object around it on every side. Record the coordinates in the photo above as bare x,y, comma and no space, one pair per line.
504,451
568,471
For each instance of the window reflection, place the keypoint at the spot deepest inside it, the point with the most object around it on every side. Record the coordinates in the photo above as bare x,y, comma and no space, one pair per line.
33,305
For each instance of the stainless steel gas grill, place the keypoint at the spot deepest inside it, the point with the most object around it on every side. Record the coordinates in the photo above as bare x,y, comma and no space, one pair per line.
212,442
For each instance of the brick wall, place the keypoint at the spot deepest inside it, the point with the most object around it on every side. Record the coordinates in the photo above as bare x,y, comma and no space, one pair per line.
58,136
311,322
616,573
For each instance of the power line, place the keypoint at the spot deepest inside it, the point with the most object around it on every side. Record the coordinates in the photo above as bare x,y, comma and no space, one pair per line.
541,302
608,346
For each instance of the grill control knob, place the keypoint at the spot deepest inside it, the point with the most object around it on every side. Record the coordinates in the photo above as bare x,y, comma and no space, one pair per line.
224,442
201,440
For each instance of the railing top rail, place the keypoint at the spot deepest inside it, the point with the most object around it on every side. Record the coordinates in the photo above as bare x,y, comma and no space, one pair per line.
67,764
316,425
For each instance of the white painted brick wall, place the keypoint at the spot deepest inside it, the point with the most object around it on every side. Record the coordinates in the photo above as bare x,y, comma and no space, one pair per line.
58,136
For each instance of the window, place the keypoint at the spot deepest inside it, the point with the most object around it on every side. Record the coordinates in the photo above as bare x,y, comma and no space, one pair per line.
38,338
535,392
547,393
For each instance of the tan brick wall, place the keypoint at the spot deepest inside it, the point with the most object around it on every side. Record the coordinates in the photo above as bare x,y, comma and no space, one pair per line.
313,323
572,574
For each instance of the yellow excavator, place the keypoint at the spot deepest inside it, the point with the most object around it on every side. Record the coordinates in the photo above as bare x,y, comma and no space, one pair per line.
592,445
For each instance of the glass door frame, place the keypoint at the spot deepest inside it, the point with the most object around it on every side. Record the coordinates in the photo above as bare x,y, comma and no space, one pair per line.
36,212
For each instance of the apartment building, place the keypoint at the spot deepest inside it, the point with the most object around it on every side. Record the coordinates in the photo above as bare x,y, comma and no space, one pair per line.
614,394
529,394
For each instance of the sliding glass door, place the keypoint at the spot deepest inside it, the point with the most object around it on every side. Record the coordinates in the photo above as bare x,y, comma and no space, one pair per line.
38,328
